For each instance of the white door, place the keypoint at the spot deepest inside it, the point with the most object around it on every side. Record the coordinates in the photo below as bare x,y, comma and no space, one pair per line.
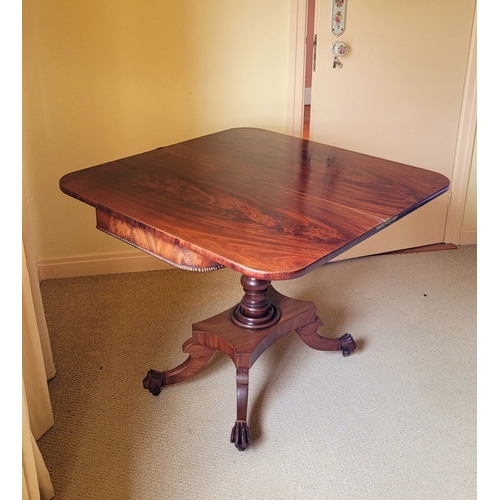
398,95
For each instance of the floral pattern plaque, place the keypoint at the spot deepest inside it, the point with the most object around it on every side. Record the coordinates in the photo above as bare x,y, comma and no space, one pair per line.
338,16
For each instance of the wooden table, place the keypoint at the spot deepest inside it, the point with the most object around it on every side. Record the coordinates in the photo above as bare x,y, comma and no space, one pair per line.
268,206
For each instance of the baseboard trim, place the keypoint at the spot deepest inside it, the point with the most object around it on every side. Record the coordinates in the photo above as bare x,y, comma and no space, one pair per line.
426,248
94,264
468,235
137,261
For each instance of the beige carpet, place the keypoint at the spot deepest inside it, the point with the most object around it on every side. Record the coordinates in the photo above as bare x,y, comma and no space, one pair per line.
395,420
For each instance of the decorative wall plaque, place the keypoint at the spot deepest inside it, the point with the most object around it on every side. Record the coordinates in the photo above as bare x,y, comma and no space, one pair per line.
338,17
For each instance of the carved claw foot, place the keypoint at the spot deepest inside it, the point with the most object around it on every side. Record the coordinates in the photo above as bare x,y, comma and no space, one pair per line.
240,435
154,381
347,344
309,334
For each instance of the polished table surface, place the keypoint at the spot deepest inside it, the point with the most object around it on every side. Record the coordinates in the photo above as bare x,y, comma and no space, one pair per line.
267,205
264,204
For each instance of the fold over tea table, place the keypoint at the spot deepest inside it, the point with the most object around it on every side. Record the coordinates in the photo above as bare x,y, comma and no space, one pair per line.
266,205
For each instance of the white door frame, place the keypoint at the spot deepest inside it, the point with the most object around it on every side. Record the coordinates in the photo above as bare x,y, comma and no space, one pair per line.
297,67
464,145
467,124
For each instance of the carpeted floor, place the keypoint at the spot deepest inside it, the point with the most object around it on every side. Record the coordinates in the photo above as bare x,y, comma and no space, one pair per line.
395,420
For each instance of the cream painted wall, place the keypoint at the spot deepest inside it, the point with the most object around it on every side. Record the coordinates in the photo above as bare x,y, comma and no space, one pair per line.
108,79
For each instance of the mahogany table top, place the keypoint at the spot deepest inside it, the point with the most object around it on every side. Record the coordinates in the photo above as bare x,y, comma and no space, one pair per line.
267,205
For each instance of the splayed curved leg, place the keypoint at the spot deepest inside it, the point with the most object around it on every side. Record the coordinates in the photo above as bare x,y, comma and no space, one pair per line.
309,334
240,435
199,356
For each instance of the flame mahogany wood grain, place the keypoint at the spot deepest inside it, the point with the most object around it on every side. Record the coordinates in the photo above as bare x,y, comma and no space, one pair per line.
154,242
265,204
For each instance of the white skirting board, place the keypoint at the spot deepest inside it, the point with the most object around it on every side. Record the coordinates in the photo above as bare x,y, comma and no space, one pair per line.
107,263
137,261
468,235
